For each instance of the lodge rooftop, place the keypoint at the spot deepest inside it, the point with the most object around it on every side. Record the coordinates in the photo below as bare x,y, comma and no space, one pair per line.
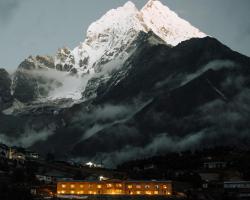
115,187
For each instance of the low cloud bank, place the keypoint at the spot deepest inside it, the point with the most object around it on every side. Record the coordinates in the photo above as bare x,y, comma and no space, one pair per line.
160,144
91,122
57,84
28,138
215,65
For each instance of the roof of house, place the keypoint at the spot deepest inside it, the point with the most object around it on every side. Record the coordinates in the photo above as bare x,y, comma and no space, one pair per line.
128,181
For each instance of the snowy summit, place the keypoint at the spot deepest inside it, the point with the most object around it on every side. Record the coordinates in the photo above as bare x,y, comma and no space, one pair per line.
109,36
108,44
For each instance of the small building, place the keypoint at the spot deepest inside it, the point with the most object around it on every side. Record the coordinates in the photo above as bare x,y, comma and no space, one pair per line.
237,188
19,156
236,184
93,165
57,175
115,187
16,153
215,165
30,155
43,178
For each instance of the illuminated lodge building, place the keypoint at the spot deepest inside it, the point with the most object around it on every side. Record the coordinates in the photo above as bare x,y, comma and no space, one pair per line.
115,188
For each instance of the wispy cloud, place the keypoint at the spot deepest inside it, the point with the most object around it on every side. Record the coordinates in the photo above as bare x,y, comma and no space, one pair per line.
215,65
160,144
29,137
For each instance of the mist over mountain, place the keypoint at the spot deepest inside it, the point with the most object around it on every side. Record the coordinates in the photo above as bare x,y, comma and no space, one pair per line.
143,82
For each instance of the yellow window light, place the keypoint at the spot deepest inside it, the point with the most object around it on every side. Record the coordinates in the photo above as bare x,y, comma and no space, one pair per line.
118,191
156,192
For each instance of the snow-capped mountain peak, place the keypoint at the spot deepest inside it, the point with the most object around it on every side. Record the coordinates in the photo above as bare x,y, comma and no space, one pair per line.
167,24
115,21
108,37
111,39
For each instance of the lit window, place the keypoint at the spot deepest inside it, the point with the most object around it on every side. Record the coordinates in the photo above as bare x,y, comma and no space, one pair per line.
130,186
109,185
138,192
72,186
168,193
63,186
99,186
147,186
92,192
138,186
81,186
148,192
63,192
72,192
157,186
59,192
118,191
90,186
165,187
118,185
156,192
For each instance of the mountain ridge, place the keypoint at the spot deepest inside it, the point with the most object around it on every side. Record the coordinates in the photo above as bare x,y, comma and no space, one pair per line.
110,39
136,96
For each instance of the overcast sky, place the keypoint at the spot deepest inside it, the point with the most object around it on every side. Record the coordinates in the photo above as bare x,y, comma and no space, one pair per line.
31,27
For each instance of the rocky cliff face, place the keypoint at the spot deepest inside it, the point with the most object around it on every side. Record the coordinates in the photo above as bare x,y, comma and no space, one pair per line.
5,89
31,81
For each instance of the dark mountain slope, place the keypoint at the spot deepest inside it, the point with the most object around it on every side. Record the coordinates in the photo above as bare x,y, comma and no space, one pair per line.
5,90
190,96
202,76
153,68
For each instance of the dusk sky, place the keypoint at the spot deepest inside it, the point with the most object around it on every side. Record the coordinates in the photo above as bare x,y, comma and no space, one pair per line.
31,27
